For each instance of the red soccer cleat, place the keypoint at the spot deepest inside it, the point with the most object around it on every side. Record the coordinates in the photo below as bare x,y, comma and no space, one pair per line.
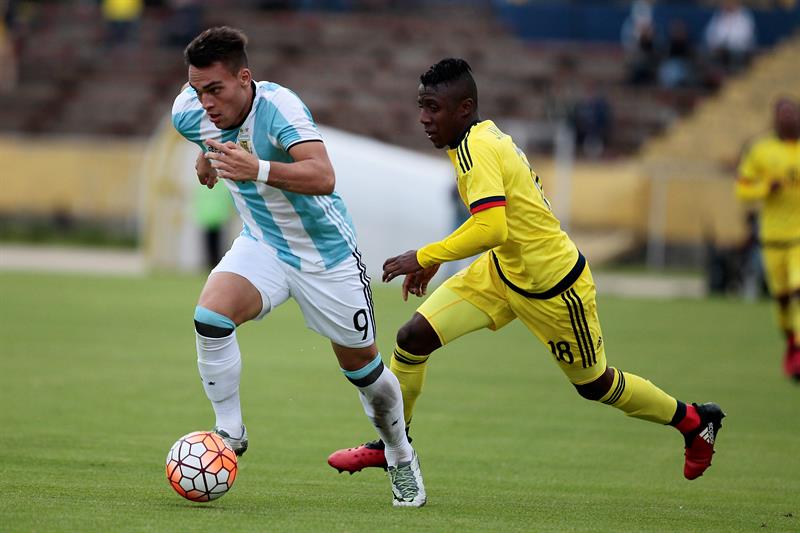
368,455
791,364
700,442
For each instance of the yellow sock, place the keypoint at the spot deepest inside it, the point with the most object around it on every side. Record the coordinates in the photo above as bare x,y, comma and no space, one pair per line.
786,320
639,398
410,371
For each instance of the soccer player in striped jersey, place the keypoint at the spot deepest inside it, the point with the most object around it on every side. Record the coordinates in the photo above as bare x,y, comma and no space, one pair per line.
259,140
770,173
528,269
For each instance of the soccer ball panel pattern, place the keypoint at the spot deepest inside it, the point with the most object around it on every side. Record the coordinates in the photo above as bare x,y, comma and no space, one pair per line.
201,467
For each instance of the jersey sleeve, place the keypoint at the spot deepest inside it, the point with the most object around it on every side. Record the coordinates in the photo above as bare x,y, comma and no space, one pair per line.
481,166
482,231
292,122
751,183
187,115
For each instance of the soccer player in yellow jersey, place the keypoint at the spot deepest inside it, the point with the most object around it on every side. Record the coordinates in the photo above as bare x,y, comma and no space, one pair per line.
770,173
529,269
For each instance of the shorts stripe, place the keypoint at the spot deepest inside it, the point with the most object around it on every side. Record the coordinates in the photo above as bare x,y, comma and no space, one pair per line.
362,270
585,327
618,390
574,328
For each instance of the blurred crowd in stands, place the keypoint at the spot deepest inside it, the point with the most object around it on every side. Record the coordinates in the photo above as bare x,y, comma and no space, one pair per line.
670,56
122,58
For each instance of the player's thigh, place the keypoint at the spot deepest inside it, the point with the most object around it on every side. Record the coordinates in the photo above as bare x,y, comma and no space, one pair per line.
776,269
337,302
570,328
793,268
256,263
472,299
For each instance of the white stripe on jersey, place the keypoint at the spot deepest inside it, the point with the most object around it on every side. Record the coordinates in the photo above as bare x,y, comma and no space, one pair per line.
327,205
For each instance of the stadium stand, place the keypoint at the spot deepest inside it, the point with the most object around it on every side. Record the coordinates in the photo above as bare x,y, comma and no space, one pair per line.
70,83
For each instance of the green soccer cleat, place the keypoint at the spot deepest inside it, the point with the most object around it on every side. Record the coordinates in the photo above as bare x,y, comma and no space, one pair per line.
407,487
239,446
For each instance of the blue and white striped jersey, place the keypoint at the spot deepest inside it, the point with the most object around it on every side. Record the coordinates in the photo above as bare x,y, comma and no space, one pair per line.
310,233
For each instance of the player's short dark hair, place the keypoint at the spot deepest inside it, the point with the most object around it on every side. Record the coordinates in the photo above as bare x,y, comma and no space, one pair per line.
224,44
452,71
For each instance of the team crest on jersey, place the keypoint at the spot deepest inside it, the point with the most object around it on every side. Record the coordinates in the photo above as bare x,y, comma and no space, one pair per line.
244,139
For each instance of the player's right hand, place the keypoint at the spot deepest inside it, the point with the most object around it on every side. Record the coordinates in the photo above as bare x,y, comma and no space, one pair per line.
205,172
416,283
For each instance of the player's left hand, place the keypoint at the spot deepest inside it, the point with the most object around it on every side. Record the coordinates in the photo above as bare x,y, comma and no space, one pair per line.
231,161
402,264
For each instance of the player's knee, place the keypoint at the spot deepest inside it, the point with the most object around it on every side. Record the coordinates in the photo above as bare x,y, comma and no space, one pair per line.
417,336
594,390
211,324
783,300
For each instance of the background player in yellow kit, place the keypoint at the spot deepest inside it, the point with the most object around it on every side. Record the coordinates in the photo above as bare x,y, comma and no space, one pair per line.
770,173
529,269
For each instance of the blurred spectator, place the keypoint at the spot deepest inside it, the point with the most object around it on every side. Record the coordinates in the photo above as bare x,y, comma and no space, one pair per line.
640,44
591,120
212,209
185,21
122,20
731,36
8,48
678,67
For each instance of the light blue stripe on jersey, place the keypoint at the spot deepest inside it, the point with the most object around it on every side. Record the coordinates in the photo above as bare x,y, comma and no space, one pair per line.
363,372
262,216
212,318
326,232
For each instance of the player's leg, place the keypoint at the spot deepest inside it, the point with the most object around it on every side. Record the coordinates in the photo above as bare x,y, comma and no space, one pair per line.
234,293
466,302
337,303
793,269
778,271
569,325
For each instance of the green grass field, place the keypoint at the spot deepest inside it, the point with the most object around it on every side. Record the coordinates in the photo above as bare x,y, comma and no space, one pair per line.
100,379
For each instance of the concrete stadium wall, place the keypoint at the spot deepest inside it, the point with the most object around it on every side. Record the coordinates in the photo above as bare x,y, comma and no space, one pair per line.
398,198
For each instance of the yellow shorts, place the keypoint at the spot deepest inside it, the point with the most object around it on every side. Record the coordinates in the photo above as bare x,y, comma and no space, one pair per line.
782,269
567,324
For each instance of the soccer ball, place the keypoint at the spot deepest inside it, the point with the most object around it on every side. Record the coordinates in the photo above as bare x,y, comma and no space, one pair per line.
201,467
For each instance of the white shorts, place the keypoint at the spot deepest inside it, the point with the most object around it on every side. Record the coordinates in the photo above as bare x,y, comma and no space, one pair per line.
336,303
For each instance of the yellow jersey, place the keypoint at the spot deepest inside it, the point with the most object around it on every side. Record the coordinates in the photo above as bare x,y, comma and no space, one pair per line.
770,172
537,256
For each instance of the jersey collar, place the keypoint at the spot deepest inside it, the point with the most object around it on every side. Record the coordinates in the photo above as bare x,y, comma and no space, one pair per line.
464,133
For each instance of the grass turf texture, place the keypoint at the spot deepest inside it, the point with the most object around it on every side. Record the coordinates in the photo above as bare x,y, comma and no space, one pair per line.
99,380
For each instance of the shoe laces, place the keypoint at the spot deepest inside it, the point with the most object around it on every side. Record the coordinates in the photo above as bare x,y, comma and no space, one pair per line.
403,480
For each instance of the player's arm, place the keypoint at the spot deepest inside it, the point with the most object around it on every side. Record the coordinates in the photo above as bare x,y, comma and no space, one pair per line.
750,186
751,189
482,231
311,172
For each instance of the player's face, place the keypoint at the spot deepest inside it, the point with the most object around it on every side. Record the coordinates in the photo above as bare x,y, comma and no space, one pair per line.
439,115
787,119
225,96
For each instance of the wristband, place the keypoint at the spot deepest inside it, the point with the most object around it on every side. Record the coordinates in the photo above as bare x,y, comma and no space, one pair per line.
263,171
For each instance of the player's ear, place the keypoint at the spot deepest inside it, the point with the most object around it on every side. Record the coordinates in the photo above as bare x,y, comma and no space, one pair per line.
245,76
467,107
